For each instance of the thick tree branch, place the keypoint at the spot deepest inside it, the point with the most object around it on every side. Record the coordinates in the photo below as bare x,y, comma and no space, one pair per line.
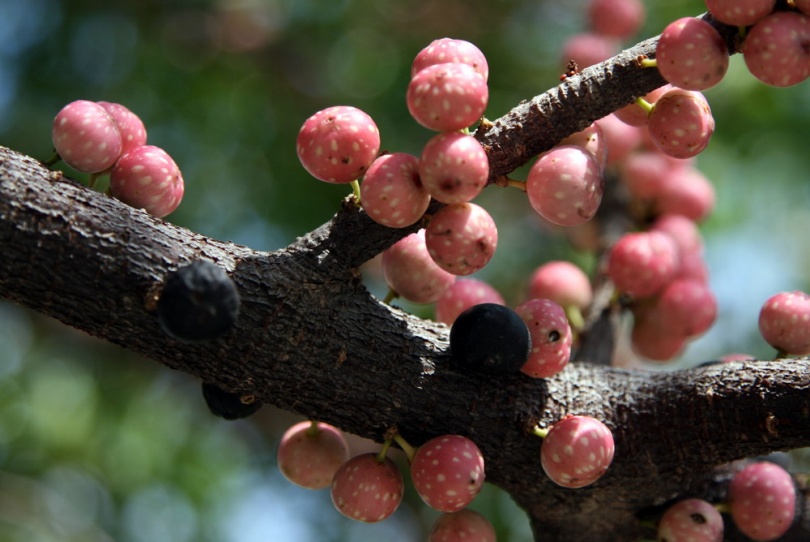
312,340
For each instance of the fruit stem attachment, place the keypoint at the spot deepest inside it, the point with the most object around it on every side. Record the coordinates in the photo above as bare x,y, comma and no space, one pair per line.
53,159
644,105
781,354
539,432
91,182
506,181
390,296
384,451
407,448
575,318
313,430
356,191
648,63
722,507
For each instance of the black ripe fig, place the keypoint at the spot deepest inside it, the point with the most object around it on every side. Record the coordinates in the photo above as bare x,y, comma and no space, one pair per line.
227,405
490,338
199,302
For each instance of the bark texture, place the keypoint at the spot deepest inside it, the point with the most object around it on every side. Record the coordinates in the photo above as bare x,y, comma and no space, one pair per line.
311,339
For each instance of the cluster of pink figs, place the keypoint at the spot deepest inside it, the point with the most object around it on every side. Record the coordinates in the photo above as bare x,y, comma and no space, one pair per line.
648,147
107,138
447,471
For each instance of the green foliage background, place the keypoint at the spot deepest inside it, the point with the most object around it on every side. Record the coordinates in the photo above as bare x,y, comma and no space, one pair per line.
97,444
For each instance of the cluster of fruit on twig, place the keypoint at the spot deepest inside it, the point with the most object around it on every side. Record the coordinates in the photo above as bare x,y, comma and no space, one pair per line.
107,138
659,271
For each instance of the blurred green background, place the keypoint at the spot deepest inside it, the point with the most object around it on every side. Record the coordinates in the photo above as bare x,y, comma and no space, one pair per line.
97,444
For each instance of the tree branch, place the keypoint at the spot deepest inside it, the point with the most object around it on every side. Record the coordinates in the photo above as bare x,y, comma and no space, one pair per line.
312,340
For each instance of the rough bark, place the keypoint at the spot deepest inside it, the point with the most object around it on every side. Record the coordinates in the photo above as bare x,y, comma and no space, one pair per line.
312,340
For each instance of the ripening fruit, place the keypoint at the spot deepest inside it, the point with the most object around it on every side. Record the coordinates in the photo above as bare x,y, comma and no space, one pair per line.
147,178
649,338
740,12
461,238
620,137
228,405
801,5
310,453
448,472
681,123
587,49
463,526
463,294
491,338
561,282
633,114
130,126
777,49
640,264
784,322
86,137
682,230
691,54
367,489
762,500
551,337
338,144
449,50
453,167
687,307
691,519
199,302
577,451
447,97
565,185
617,18
392,193
685,191
592,140
410,271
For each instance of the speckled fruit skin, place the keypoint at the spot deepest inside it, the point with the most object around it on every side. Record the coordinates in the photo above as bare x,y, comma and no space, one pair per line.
691,54
740,12
784,322
453,167
392,193
410,271
681,123
691,519
463,526
367,490
777,49
592,140
147,178
448,472
565,185
338,144
130,126
461,238
449,50
577,451
308,456
463,294
551,337
86,137
641,263
762,499
447,97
